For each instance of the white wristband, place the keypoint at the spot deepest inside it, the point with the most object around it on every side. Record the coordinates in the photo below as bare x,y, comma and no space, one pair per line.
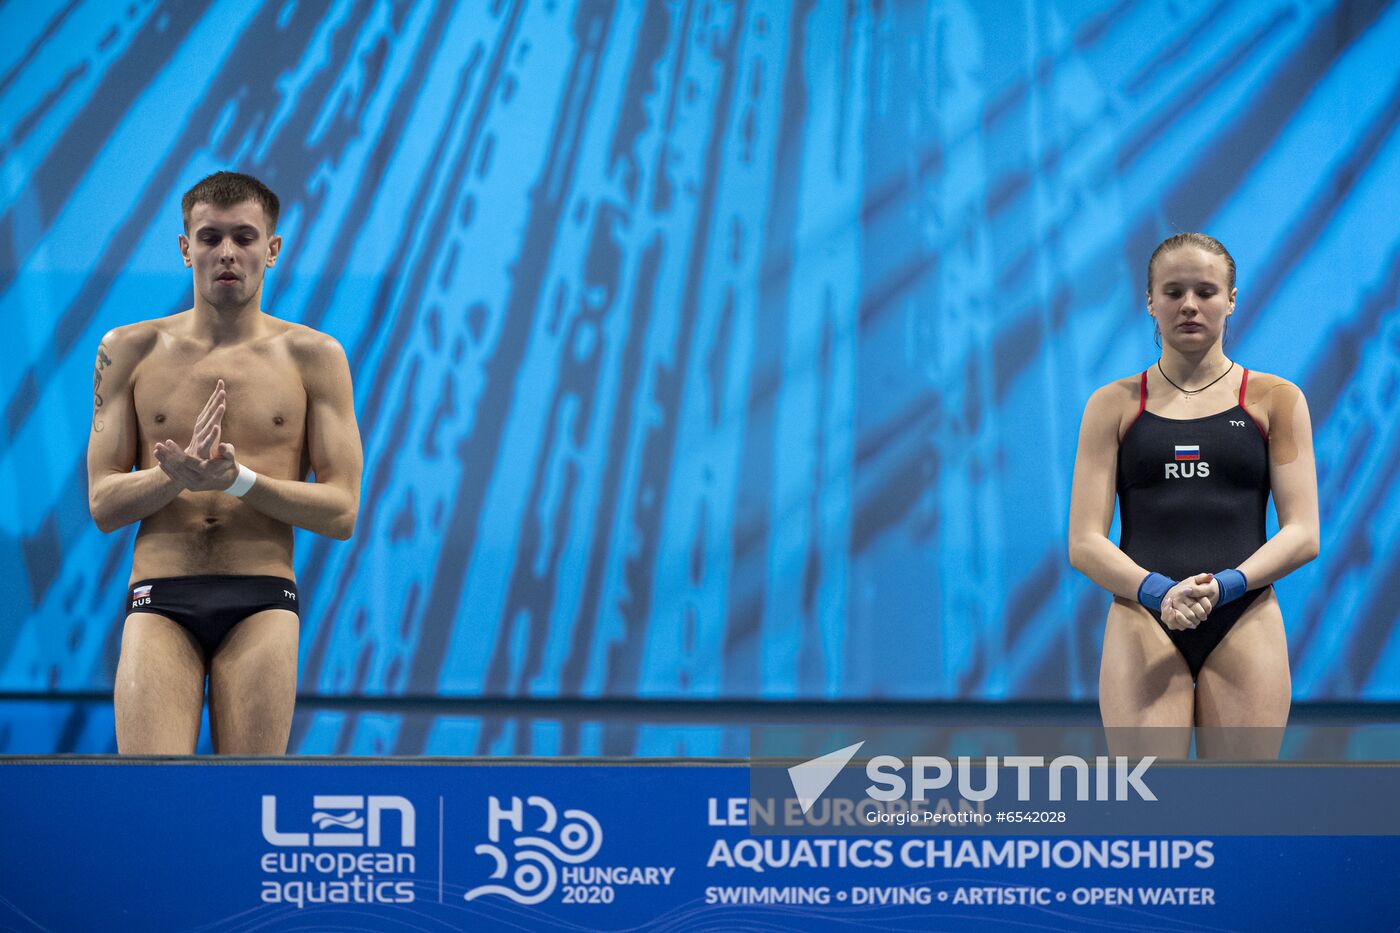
244,482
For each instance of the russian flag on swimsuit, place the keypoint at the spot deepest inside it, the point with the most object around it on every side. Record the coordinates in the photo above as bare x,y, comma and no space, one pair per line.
1188,451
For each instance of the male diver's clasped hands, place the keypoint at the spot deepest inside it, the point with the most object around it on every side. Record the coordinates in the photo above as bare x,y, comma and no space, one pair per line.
206,464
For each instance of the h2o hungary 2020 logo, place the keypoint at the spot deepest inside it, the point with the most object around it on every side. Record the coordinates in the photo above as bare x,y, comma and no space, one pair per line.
532,861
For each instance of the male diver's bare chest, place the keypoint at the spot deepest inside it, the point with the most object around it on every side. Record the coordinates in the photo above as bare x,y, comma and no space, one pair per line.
265,397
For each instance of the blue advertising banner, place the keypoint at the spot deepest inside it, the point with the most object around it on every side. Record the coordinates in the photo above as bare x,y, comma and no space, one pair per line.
100,844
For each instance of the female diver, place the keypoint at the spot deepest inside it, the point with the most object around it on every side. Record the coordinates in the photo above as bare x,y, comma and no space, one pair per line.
1191,448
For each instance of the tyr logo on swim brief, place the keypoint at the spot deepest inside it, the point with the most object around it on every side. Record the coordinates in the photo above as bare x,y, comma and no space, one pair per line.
290,595
1188,463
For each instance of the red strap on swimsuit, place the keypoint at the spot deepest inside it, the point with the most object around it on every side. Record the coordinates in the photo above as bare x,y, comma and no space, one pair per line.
1142,402
1244,381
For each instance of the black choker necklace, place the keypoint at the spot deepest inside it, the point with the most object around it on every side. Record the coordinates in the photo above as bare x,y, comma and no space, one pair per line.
1192,393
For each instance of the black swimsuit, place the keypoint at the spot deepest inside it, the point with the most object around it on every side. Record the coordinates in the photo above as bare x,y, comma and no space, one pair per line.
1192,495
208,606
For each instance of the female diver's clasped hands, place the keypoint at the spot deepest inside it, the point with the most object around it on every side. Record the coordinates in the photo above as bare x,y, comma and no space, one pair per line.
1188,603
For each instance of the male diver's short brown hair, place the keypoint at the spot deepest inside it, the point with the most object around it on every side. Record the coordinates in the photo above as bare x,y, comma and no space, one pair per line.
225,189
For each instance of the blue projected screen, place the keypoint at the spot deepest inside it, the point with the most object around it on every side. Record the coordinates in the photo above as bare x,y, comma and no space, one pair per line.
704,349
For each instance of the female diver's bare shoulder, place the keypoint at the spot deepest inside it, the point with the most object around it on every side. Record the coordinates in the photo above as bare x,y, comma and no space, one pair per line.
1271,400
1114,404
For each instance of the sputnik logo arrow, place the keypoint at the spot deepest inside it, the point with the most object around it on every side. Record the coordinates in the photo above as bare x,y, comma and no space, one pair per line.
811,778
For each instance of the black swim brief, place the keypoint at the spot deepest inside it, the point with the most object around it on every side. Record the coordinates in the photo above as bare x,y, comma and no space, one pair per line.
207,606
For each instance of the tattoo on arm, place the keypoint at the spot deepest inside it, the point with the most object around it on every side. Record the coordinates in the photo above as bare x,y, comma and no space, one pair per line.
103,361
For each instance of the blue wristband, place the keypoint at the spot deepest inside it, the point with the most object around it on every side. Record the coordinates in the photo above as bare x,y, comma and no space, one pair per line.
1232,585
1154,587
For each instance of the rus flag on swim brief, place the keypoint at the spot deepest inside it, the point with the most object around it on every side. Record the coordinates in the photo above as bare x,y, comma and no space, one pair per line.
141,591
1188,451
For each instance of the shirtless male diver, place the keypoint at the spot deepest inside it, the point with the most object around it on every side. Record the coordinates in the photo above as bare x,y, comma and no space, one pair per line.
257,405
